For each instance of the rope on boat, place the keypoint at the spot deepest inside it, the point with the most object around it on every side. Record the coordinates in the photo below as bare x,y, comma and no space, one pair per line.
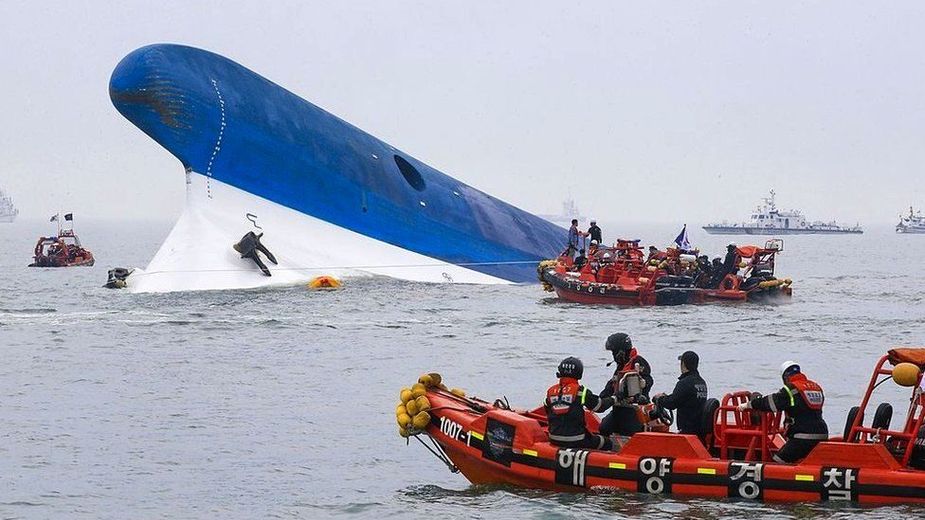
357,267
438,452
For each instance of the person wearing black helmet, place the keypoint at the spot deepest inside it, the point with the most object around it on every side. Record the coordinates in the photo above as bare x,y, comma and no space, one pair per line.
801,399
688,396
622,419
565,404
729,263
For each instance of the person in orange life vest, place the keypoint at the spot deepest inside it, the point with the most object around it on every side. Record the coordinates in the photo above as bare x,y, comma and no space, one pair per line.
565,409
622,419
801,399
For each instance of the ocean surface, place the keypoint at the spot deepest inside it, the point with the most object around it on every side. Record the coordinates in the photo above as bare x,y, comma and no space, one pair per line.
278,403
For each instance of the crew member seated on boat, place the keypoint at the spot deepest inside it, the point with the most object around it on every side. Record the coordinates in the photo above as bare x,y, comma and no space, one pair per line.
580,260
688,396
565,404
595,232
717,273
622,418
801,399
654,254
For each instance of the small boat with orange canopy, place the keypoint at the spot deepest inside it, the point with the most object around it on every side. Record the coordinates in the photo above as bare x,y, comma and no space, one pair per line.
621,275
872,463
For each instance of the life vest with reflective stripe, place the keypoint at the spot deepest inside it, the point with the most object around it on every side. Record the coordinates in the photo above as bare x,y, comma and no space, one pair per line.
565,410
809,391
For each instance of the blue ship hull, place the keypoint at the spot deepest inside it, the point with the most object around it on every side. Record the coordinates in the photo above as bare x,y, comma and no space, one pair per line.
236,128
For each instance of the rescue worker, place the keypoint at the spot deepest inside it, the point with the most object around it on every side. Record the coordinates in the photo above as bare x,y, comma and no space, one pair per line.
729,263
595,232
565,404
801,399
574,234
688,396
580,260
622,419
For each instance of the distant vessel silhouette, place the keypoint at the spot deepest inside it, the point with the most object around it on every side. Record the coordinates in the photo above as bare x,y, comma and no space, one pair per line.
8,212
768,220
912,223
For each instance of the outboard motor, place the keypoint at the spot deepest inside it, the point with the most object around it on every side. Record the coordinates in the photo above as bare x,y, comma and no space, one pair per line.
249,247
917,460
116,278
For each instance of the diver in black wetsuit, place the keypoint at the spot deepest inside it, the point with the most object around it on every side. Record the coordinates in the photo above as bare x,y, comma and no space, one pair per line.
249,246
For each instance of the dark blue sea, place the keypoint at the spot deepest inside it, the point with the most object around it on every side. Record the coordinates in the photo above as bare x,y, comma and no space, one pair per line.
278,403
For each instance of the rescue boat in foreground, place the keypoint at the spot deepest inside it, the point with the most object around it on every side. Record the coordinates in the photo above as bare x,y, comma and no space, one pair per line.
872,464
61,250
619,275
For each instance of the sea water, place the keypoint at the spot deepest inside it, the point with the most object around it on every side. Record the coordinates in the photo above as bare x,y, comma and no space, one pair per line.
280,402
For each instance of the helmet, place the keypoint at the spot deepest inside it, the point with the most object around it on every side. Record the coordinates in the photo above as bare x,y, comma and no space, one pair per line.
619,342
788,368
731,246
571,367
593,221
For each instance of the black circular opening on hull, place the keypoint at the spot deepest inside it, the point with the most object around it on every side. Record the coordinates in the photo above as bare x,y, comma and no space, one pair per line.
410,173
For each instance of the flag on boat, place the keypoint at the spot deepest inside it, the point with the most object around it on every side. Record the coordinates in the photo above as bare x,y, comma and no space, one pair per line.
68,216
54,218
682,241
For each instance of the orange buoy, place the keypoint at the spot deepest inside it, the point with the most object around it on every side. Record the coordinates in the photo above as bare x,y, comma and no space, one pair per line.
324,282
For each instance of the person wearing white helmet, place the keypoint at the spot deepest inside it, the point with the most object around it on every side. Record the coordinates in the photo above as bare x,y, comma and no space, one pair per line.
801,400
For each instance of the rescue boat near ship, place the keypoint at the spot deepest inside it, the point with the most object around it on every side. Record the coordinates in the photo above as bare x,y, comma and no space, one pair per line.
620,275
870,464
61,250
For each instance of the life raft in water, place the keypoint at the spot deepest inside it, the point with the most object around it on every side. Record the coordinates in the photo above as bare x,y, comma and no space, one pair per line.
324,282
873,464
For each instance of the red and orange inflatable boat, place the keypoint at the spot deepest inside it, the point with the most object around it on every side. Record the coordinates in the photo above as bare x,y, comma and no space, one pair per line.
870,464
620,275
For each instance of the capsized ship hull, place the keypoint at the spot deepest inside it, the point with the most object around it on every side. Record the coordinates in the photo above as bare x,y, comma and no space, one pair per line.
330,198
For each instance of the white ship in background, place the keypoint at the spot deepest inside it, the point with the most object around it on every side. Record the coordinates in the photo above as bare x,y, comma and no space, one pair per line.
8,212
569,211
912,223
768,220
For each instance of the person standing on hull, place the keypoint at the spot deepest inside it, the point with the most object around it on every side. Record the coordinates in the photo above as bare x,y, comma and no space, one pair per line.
565,409
688,396
801,399
595,232
574,235
622,418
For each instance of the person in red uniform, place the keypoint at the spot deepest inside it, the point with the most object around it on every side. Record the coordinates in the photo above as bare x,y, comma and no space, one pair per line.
622,419
565,409
801,399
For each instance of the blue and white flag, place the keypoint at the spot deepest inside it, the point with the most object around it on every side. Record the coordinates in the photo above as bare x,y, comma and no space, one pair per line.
682,241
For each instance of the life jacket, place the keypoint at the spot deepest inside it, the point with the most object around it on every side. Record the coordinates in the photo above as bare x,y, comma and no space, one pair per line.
630,364
565,411
809,391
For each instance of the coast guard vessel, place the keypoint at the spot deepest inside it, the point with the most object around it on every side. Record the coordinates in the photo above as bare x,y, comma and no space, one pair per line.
324,196
914,222
768,220
8,212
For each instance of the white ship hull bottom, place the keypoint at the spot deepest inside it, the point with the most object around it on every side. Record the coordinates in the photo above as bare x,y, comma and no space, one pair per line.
198,254
911,231
6,219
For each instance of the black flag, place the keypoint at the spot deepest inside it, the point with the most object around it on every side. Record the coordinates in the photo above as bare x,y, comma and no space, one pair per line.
68,216
53,218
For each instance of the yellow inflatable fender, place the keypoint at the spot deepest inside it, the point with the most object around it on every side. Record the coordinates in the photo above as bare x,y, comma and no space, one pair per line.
417,390
423,403
906,374
421,420
426,380
412,407
404,432
404,420
400,409
406,395
458,392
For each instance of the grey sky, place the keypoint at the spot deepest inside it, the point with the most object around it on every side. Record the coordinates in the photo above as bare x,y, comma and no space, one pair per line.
684,112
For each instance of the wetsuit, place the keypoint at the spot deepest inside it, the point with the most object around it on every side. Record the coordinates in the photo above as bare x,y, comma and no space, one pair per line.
688,397
580,261
622,418
802,400
595,233
565,404
729,263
